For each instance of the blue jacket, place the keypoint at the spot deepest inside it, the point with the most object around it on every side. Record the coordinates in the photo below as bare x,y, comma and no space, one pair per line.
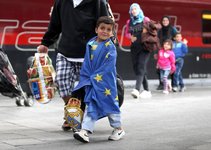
180,49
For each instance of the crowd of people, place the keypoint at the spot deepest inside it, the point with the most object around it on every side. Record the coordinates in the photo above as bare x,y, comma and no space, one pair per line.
87,52
167,46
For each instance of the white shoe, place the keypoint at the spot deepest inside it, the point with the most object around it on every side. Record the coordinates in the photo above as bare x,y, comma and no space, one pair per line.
117,134
135,93
166,92
81,136
174,89
145,94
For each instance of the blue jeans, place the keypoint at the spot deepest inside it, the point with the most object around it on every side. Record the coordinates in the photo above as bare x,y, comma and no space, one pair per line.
164,78
177,78
88,123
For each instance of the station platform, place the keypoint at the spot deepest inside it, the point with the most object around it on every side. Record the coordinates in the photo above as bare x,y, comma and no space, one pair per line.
177,121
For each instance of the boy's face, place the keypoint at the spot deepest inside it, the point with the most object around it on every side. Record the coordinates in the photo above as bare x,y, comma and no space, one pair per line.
104,31
178,38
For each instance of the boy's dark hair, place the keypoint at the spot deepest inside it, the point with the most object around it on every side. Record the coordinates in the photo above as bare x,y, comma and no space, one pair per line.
106,20
178,33
168,41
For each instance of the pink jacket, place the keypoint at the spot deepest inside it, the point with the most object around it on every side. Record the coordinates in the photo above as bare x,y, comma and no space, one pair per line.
166,60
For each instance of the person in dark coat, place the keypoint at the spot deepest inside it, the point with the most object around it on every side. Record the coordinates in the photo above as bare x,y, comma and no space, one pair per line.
75,21
167,31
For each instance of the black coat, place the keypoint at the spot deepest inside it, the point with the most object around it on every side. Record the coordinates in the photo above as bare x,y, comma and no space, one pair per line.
77,26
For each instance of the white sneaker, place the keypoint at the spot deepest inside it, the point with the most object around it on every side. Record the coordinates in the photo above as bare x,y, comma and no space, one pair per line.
166,92
174,89
145,94
81,136
116,135
135,93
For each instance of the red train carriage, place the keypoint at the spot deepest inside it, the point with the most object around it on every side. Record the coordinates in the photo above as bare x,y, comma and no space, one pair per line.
23,23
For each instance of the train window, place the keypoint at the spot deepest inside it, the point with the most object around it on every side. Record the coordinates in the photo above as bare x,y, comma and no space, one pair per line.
206,27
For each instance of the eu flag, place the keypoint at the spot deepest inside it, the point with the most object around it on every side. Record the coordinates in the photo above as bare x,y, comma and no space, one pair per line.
98,78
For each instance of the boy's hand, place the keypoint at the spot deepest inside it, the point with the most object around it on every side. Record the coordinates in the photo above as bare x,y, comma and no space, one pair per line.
185,41
42,49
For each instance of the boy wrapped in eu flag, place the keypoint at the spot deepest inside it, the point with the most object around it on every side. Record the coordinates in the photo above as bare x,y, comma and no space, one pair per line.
98,79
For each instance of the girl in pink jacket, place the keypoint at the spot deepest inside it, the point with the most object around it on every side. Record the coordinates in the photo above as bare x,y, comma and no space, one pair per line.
166,63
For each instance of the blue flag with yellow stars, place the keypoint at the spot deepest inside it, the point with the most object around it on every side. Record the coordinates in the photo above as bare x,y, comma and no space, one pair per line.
98,78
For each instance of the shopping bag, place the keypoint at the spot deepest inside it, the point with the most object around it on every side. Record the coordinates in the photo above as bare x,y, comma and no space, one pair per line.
41,77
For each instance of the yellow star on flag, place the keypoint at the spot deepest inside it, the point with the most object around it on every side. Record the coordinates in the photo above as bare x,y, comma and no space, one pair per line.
98,78
107,55
107,44
91,57
117,98
94,47
107,92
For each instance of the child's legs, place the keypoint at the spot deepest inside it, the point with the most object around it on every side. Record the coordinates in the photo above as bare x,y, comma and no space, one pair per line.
181,83
164,75
180,66
115,120
87,123
161,75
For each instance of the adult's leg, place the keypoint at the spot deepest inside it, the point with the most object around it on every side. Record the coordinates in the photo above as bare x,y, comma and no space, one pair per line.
145,80
135,55
66,75
143,58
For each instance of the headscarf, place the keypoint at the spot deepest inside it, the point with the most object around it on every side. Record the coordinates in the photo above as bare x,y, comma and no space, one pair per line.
167,17
140,17
166,31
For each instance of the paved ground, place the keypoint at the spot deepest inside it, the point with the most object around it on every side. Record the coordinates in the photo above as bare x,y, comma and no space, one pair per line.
178,121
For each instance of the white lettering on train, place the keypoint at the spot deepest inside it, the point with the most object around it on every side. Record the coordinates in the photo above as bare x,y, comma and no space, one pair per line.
31,32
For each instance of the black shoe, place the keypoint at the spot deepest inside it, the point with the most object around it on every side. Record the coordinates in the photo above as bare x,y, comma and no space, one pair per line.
160,87
65,126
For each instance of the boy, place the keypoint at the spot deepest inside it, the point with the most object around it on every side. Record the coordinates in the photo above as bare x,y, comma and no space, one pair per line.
98,79
180,50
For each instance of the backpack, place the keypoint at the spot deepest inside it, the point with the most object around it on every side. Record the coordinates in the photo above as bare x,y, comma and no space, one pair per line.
149,39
